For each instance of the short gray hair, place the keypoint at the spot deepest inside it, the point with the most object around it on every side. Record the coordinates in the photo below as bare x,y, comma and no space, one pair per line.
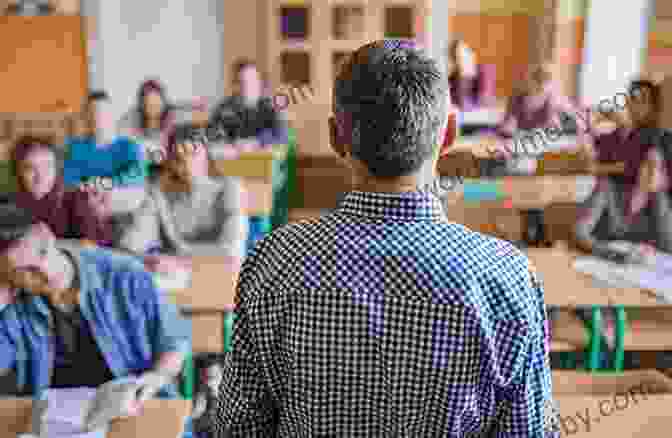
390,97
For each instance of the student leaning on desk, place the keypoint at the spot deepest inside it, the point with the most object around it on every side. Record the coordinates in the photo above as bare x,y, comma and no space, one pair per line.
82,318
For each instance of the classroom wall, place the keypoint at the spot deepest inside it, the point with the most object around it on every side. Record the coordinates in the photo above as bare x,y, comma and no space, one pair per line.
659,52
614,47
180,41
505,34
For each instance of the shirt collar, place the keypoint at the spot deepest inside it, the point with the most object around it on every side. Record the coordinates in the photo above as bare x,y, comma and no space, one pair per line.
420,205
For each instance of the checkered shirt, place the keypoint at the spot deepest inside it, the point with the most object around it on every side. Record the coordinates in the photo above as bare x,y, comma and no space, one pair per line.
383,319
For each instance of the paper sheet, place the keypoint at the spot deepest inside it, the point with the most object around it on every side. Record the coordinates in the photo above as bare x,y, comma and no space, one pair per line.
655,276
176,280
65,414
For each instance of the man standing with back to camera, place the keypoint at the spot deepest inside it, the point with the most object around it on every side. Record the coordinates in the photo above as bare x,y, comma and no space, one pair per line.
382,318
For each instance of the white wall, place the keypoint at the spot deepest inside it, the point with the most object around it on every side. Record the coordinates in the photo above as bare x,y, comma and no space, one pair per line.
179,41
615,43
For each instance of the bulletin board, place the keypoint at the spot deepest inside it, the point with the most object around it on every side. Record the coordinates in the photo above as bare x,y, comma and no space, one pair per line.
44,63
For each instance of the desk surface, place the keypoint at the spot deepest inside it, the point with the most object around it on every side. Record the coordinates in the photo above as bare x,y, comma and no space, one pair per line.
162,418
213,285
566,287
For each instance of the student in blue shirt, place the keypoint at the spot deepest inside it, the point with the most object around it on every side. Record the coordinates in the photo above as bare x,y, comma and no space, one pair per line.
95,151
81,318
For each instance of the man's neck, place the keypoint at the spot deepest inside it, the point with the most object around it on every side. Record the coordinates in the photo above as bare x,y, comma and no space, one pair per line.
364,182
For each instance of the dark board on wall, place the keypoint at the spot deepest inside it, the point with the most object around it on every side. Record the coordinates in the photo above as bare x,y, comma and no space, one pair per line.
44,64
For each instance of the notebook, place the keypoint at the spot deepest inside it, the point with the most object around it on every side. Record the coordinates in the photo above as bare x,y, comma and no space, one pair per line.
62,414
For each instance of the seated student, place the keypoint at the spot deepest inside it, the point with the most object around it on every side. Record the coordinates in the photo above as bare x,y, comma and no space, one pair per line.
536,105
637,130
70,214
186,212
628,209
152,119
82,318
248,116
471,84
95,151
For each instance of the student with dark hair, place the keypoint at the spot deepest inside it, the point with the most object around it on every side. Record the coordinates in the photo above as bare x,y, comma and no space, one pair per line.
383,318
622,149
248,116
151,119
82,318
70,214
471,84
186,212
97,152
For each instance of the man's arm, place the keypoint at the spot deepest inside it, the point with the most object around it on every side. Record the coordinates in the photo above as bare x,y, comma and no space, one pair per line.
169,332
245,406
529,408
7,347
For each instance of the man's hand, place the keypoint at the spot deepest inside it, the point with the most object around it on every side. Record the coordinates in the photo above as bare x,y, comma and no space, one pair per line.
7,295
652,177
99,202
149,384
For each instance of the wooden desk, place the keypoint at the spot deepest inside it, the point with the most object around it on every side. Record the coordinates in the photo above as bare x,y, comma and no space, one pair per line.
603,397
207,300
257,197
161,418
255,164
563,286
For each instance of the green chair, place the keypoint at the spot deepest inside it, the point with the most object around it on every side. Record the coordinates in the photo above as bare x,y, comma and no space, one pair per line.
229,318
595,341
188,378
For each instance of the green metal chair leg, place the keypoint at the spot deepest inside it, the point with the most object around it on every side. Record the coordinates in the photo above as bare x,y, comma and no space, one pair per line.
188,378
595,337
229,317
619,355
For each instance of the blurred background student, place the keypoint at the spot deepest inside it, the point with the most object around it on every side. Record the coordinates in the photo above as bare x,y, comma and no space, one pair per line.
152,118
198,215
95,149
537,104
472,85
69,213
248,117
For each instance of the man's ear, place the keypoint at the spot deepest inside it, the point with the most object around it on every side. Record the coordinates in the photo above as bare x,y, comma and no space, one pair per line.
448,135
337,141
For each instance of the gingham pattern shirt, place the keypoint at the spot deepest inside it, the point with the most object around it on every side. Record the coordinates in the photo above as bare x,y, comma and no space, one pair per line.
383,319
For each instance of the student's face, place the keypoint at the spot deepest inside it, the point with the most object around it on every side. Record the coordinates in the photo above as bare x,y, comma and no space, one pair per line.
250,82
25,265
640,107
153,104
37,172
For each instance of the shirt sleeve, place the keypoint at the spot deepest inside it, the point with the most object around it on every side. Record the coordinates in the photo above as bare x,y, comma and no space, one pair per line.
7,347
591,211
169,332
529,409
245,405
133,170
